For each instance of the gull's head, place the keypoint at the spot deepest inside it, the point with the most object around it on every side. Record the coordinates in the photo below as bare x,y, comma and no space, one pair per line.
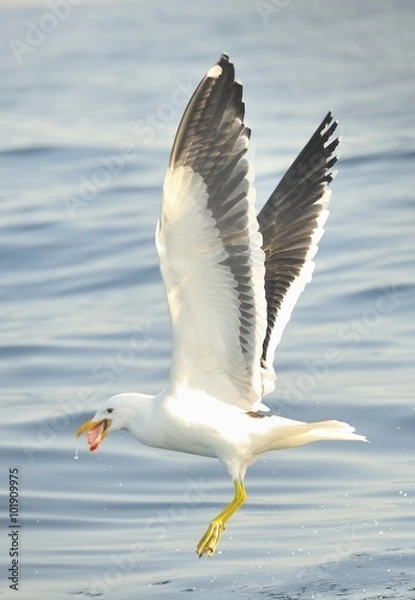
116,413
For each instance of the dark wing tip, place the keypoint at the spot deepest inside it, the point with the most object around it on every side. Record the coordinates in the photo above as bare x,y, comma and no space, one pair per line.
326,130
303,183
222,68
208,118
289,218
224,59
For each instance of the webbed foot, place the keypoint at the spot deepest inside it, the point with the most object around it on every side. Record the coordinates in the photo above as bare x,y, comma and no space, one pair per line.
210,540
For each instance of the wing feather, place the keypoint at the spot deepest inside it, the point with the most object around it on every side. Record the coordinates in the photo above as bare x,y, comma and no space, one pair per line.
291,223
232,279
210,248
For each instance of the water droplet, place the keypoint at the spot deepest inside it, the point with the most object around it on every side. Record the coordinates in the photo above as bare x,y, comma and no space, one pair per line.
76,455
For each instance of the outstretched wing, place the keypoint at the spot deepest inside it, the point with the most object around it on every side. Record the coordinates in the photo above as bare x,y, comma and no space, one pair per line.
210,248
291,223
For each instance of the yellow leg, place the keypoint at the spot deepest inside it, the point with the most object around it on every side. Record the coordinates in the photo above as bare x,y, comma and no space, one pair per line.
209,541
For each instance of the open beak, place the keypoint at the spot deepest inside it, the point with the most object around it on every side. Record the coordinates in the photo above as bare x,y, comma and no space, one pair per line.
95,431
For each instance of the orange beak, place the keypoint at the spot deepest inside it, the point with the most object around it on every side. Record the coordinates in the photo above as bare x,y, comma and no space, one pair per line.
96,431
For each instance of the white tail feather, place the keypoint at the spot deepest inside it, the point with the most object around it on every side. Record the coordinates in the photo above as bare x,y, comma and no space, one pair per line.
290,435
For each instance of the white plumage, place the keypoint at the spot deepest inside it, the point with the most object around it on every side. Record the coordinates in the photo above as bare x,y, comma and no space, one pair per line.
231,280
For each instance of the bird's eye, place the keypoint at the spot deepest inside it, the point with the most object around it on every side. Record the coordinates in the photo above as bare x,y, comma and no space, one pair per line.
110,410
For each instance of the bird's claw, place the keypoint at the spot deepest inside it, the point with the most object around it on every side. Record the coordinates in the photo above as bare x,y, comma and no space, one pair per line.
210,540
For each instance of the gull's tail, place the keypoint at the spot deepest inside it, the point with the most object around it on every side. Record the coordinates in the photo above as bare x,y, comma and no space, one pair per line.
286,433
